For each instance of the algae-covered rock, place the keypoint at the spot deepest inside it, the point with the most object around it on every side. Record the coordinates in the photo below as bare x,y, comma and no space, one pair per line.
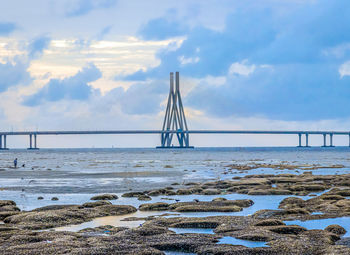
133,194
160,206
105,197
41,219
336,229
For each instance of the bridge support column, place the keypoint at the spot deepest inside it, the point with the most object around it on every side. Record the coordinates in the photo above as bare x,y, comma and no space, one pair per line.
30,142
331,140
324,140
307,140
35,142
349,140
5,145
300,140
31,147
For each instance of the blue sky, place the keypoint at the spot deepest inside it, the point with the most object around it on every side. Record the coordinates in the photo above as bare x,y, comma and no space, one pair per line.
104,64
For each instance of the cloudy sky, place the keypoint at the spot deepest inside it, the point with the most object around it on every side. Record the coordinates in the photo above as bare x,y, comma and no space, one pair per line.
104,64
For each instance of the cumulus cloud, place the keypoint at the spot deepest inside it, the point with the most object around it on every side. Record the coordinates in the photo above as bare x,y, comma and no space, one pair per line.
37,46
140,98
82,7
13,73
76,87
277,66
7,28
162,28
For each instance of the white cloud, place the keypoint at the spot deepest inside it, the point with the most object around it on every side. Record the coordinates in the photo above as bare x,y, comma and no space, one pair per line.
344,69
184,61
241,68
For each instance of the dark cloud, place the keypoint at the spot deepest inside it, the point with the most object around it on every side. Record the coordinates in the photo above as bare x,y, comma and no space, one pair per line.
303,81
37,46
162,28
13,73
7,28
74,88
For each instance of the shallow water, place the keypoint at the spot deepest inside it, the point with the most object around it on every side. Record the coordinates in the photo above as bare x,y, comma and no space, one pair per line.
236,241
75,175
193,230
323,223
116,221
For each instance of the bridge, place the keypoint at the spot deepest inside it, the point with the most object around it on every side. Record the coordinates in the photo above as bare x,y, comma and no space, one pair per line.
175,126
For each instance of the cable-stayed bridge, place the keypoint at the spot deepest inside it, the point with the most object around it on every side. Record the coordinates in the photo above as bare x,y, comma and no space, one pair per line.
175,128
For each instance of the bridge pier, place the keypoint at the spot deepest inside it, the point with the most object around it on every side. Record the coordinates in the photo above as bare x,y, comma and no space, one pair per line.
306,140
331,140
3,145
31,142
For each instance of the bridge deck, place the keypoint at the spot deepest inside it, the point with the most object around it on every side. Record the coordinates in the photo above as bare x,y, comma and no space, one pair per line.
276,132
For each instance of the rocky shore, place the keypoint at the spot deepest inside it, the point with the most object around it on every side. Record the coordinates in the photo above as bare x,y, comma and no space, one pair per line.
31,232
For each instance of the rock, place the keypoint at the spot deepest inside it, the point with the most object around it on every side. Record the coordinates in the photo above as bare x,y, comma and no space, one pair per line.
184,192
54,207
270,222
68,214
201,208
133,194
160,206
144,198
54,199
336,229
6,202
292,202
291,229
218,199
95,204
105,197
9,208
211,192
40,198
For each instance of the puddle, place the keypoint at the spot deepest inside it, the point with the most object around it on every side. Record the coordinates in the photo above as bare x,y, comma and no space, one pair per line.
323,223
116,221
192,230
247,243
316,213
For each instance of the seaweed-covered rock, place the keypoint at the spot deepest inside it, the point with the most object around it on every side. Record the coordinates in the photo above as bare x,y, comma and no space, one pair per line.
270,222
160,206
105,197
133,194
291,229
211,192
41,219
336,229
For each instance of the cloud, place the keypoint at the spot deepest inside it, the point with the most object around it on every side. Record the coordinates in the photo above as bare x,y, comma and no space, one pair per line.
286,92
82,7
76,87
106,30
13,73
7,28
161,29
279,62
140,98
37,46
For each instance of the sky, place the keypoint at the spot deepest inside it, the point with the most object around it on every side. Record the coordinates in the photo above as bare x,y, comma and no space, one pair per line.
105,64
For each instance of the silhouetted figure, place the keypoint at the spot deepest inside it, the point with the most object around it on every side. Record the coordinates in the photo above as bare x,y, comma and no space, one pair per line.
15,163
24,165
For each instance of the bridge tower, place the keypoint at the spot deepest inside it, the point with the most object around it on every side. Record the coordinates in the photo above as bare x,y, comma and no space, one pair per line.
174,119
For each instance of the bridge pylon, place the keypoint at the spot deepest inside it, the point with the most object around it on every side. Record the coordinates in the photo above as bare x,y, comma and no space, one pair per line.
174,120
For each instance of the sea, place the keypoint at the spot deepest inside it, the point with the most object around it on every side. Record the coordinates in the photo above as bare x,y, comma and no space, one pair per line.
73,176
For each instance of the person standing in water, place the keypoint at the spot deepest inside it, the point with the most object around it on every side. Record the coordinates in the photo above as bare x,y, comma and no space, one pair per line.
15,163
